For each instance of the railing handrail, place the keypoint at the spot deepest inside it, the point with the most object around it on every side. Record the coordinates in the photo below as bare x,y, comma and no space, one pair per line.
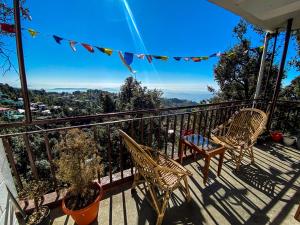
105,123
114,114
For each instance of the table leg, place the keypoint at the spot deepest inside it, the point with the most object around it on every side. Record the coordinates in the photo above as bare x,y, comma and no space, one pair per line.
220,162
206,169
180,153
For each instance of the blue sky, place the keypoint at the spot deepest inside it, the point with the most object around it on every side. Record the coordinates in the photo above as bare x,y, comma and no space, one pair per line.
175,28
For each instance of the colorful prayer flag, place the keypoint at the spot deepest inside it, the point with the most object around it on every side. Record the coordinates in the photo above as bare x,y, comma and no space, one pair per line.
88,47
213,55
125,63
177,58
149,58
128,57
204,57
57,39
164,58
196,59
140,56
107,51
72,45
8,28
219,54
186,59
32,32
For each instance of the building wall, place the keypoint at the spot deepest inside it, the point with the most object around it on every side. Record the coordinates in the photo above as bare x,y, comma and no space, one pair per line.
7,215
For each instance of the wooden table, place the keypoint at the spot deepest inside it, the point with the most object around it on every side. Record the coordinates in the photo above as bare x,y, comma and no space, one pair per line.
203,146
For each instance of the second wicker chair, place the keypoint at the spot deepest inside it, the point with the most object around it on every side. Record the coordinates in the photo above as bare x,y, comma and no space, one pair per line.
240,133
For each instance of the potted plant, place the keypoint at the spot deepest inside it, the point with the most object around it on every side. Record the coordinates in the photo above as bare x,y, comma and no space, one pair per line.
276,136
78,165
289,137
35,190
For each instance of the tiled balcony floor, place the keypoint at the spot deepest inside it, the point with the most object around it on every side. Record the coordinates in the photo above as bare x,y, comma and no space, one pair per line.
265,193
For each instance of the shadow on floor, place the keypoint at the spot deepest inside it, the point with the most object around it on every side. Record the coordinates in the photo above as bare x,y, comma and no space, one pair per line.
181,212
259,179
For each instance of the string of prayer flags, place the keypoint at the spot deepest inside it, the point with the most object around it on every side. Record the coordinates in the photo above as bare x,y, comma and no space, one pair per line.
72,45
124,61
127,57
57,39
32,32
88,47
107,51
8,28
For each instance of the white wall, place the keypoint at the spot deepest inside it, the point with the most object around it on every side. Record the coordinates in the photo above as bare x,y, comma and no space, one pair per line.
7,215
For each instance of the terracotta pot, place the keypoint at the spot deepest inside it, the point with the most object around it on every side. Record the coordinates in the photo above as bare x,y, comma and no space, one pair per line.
88,214
276,136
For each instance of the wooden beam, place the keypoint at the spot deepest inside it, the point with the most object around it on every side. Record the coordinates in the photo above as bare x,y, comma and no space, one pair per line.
20,55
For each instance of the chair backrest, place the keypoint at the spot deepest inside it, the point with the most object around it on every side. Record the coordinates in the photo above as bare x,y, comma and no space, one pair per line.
141,159
247,125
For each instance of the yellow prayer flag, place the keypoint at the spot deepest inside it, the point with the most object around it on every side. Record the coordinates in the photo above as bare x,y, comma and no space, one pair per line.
108,51
32,32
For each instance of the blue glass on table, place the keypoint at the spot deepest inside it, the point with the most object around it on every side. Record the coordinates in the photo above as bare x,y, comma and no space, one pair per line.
198,140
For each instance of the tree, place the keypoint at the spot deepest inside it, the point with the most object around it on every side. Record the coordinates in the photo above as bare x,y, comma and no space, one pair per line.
295,61
292,91
237,70
134,97
108,104
6,16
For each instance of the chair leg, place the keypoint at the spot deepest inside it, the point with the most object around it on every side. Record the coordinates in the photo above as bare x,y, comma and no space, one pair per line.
252,155
161,214
187,189
232,153
135,182
239,158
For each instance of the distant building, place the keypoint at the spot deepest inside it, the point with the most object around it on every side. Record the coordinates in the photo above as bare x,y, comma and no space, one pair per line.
46,112
22,111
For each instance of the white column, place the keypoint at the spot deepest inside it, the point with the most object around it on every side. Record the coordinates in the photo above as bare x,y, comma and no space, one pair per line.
7,212
262,66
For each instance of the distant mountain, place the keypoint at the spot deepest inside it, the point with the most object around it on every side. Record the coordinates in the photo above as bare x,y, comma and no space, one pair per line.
175,102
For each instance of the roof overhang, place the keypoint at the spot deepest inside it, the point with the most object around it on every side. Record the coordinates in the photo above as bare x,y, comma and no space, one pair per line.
266,14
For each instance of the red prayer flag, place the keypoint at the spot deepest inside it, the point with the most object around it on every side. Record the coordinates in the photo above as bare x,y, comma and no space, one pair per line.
88,47
9,28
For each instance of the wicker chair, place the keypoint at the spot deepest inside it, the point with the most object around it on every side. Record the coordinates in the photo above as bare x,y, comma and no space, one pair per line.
159,174
240,133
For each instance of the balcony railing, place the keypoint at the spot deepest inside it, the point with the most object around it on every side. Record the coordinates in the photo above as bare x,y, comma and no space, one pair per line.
30,148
